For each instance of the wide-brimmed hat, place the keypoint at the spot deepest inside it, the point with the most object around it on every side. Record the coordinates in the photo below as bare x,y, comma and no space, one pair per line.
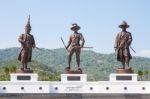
124,24
75,27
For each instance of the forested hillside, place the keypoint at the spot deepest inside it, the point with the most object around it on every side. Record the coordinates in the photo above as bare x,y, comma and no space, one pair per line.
50,63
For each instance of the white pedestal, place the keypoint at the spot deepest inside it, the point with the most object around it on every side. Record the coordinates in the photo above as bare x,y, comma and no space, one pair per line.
123,77
16,77
73,77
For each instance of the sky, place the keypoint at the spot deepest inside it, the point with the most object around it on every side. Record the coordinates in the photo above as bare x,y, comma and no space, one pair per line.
98,19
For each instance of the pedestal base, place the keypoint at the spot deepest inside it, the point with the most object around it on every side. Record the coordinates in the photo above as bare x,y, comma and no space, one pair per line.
21,70
124,71
68,71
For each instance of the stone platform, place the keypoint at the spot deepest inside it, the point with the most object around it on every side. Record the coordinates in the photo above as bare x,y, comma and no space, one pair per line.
20,70
69,71
74,86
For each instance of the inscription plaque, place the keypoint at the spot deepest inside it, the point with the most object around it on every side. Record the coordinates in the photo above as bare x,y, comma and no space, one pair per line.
73,78
123,77
23,77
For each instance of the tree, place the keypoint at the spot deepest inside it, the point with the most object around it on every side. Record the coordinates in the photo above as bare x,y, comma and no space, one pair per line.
13,69
146,73
140,73
6,70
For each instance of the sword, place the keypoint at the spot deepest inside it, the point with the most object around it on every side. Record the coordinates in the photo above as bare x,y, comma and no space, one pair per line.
132,49
83,47
116,51
38,48
64,43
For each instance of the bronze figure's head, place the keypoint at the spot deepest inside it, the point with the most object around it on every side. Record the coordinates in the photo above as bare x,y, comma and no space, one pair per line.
123,25
75,27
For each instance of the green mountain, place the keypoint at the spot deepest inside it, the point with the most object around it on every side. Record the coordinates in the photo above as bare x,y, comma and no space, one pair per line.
50,63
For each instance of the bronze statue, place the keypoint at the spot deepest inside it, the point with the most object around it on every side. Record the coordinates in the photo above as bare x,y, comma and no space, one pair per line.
27,43
122,44
76,42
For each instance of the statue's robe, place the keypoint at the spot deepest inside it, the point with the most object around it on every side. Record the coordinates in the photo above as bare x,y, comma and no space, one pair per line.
25,54
122,43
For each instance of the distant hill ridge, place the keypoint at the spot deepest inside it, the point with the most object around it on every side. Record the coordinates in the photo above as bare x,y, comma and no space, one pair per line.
97,66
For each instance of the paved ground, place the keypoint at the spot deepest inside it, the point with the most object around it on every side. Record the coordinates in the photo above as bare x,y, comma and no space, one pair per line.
74,96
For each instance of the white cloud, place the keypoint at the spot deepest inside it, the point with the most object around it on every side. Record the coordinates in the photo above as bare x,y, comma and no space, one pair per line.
144,53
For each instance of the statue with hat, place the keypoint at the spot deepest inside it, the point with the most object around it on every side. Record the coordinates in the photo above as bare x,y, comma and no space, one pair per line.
27,43
76,42
122,46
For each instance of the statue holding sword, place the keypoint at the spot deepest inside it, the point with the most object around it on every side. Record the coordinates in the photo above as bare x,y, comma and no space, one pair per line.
76,42
123,44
